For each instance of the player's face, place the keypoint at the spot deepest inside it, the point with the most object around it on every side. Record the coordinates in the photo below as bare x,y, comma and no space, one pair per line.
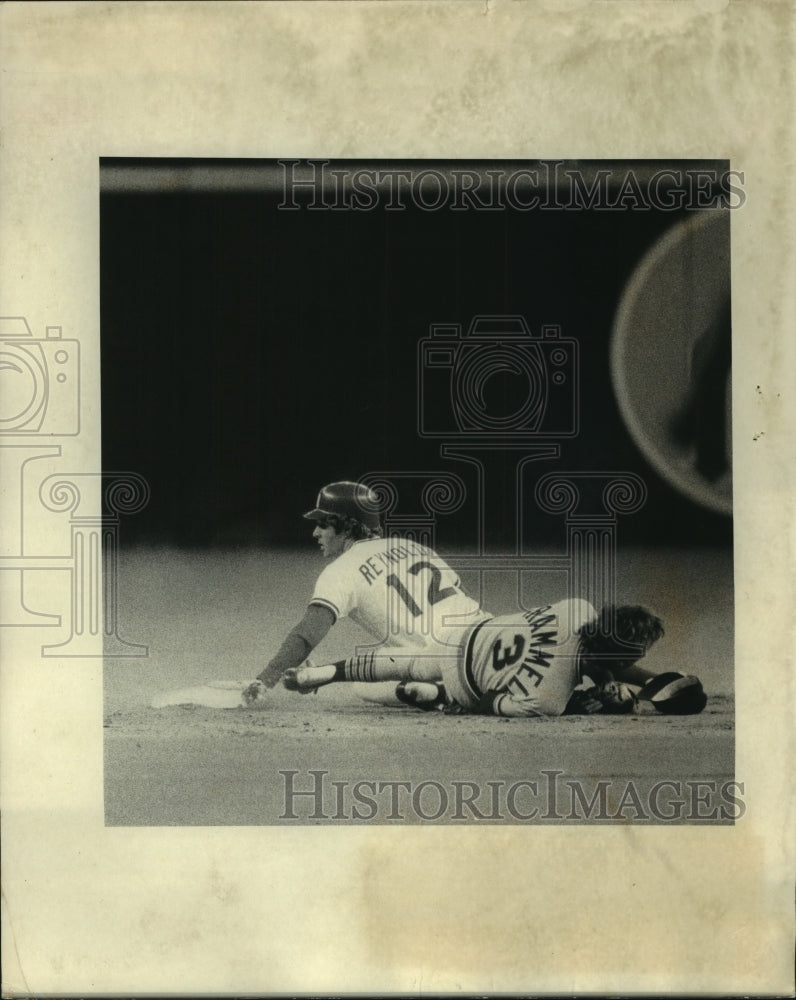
330,541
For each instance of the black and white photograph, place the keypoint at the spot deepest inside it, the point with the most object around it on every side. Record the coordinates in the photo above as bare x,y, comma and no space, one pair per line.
446,445
396,479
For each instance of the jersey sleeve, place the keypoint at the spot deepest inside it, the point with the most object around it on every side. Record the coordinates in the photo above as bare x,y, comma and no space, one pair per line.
298,643
509,705
334,590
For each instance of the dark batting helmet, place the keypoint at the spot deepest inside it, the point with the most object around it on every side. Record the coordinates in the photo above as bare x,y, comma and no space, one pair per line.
348,501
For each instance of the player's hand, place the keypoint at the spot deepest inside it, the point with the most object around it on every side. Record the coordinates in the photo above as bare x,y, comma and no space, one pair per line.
583,703
617,699
254,694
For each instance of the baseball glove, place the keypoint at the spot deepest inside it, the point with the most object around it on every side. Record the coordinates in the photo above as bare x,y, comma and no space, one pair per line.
674,693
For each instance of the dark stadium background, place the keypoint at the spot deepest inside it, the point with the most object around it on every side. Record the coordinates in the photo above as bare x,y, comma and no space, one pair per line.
250,355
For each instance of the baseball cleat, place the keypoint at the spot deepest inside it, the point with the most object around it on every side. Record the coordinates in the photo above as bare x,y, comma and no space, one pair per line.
307,678
428,696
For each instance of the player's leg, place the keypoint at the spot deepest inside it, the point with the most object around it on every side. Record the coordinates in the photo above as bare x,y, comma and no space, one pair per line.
378,693
381,664
425,695
420,684
388,663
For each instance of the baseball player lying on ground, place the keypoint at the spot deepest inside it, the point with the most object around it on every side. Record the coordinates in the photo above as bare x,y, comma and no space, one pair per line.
443,648
528,664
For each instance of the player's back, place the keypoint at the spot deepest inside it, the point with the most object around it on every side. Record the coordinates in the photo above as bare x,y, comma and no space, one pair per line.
403,593
532,656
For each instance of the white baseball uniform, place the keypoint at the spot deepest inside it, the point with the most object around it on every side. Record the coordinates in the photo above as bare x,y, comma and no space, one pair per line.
520,664
401,592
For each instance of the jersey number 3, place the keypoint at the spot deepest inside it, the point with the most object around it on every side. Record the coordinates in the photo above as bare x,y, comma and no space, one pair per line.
434,595
504,655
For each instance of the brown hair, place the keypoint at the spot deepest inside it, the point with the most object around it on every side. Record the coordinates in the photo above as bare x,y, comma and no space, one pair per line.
351,526
620,634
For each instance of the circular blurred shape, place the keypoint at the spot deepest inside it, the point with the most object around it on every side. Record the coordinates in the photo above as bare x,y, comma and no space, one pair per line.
670,358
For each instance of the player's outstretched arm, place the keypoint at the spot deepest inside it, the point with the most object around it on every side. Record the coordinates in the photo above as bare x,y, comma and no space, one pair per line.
298,643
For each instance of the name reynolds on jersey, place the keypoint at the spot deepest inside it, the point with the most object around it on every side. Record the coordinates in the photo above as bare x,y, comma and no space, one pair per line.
371,568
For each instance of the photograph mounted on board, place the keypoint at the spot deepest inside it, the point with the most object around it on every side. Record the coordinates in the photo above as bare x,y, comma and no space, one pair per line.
427,515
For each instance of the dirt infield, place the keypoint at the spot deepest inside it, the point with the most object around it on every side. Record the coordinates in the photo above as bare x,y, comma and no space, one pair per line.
199,766
332,758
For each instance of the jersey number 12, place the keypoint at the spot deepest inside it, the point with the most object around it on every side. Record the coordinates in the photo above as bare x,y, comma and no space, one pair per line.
434,595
